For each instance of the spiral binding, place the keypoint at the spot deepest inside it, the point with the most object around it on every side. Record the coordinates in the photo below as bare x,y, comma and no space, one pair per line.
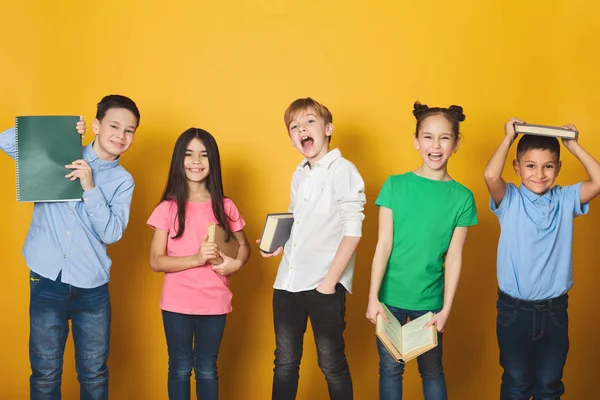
17,155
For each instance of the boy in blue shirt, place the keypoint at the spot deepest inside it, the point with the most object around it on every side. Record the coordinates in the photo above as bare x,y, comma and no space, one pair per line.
534,263
65,250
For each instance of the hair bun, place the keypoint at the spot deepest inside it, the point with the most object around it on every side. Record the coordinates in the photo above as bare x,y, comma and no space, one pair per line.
457,111
419,109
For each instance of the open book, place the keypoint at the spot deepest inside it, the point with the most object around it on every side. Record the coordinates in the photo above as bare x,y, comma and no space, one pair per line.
408,341
217,235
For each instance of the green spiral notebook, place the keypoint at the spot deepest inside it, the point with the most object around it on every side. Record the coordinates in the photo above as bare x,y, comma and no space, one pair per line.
45,144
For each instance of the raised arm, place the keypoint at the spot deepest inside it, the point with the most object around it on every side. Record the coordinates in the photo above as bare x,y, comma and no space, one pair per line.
591,187
493,170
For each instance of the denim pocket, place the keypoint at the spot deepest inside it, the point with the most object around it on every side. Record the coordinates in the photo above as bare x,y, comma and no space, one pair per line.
34,281
507,315
559,317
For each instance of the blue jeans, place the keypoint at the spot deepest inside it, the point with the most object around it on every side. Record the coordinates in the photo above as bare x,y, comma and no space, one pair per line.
326,312
52,304
430,366
193,341
534,342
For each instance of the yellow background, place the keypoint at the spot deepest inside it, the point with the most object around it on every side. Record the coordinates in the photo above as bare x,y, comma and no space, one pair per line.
232,67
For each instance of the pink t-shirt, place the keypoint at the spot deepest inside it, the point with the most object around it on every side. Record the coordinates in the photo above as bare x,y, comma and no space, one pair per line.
200,290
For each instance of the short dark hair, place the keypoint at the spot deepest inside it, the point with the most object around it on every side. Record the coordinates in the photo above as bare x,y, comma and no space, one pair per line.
116,101
535,142
454,114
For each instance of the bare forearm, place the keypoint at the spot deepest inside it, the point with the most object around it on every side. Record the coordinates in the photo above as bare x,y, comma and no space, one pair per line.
243,253
165,263
452,277
342,257
380,260
591,165
494,167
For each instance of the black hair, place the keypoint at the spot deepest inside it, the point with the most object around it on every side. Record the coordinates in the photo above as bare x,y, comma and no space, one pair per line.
454,114
177,186
535,142
116,101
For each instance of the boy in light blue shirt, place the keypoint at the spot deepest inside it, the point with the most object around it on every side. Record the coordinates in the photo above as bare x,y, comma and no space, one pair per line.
65,250
534,263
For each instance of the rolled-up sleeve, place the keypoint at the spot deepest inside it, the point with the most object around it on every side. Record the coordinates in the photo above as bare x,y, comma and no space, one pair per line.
350,195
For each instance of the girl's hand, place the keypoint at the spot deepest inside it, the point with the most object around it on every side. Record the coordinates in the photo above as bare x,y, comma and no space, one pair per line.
375,308
570,143
228,266
439,320
208,251
80,126
509,128
267,255
83,172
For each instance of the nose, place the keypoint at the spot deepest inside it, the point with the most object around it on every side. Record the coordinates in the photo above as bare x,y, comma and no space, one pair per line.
436,143
540,173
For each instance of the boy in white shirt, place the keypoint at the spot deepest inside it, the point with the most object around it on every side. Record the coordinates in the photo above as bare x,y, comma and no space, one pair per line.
327,201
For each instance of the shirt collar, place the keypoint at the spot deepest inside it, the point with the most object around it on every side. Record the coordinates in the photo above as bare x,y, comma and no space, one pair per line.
90,156
324,162
533,197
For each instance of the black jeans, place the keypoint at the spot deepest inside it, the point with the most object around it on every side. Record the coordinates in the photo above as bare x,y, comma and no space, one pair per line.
326,312
534,342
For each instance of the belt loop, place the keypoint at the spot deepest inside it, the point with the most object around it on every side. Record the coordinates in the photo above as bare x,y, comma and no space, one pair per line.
551,304
516,303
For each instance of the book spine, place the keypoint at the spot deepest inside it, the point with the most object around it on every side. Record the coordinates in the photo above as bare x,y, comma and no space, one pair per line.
17,155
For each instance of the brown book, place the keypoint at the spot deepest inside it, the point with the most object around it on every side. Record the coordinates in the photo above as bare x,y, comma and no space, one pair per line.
545,130
408,341
217,235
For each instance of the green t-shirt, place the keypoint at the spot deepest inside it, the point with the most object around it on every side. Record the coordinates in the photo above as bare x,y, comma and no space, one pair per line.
425,213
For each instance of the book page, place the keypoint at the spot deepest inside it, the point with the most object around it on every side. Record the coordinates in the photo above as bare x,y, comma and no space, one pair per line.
415,336
392,329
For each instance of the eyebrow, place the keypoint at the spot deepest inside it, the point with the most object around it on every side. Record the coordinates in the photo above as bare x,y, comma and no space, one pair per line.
543,162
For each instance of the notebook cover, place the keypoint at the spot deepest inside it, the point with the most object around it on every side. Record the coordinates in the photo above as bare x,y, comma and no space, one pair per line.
45,144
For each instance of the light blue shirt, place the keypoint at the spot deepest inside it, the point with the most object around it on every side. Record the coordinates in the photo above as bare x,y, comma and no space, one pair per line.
536,241
71,237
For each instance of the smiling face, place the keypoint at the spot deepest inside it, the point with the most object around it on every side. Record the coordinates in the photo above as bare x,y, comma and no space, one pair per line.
195,162
115,133
538,169
436,142
310,134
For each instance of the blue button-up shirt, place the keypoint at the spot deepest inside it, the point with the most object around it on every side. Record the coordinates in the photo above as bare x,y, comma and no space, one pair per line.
71,237
536,241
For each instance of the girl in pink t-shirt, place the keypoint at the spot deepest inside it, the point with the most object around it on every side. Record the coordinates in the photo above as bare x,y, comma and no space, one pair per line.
196,295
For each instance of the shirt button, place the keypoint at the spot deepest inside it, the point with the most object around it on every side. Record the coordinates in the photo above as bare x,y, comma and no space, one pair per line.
91,214
68,233
65,255
305,199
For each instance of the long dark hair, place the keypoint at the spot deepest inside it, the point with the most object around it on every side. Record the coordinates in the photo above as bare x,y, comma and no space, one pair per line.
177,186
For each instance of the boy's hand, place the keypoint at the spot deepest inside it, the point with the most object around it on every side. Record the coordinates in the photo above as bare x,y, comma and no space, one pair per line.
570,143
208,251
228,266
267,255
80,126
439,320
509,128
375,308
325,289
83,172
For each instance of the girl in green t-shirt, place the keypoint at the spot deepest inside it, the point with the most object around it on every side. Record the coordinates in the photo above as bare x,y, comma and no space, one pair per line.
423,220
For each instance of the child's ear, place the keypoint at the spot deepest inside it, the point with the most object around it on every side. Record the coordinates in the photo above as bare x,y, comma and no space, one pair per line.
416,142
457,144
558,167
329,129
516,167
96,126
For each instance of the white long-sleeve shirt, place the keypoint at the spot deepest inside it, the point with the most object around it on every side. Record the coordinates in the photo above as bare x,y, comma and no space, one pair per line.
327,201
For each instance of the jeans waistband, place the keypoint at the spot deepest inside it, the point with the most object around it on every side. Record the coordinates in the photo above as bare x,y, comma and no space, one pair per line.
538,305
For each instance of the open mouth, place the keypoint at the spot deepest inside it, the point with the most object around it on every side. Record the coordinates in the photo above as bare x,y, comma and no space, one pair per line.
306,141
435,156
195,169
